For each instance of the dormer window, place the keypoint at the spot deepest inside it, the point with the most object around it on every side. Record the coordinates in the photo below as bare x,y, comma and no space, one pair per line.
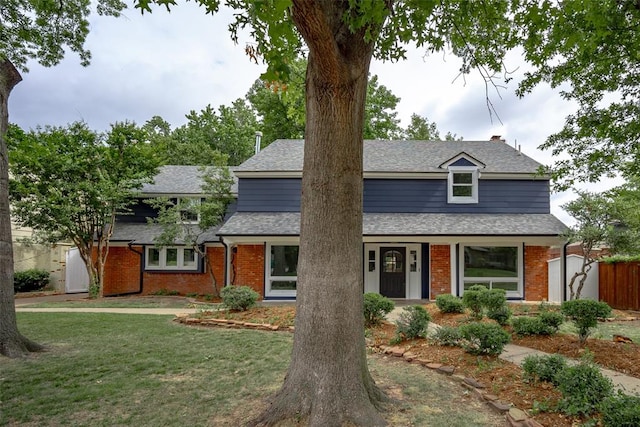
463,184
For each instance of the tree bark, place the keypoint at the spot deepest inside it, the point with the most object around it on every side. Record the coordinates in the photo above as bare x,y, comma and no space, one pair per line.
328,382
12,343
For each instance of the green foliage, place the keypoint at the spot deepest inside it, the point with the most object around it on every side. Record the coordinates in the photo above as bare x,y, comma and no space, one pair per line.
524,325
472,299
585,314
376,307
493,299
500,314
583,387
620,258
544,368
447,336
70,183
620,410
484,338
412,322
448,303
238,298
30,280
552,319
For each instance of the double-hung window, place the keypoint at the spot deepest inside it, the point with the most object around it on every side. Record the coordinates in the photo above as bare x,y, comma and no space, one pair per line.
171,258
463,184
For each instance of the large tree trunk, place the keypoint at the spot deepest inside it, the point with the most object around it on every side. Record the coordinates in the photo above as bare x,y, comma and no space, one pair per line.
328,382
12,343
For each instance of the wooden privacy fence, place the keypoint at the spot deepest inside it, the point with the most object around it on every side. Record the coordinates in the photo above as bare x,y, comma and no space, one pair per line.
620,285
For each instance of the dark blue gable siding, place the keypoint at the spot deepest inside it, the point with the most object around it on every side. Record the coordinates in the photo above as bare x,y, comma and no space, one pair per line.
463,162
402,195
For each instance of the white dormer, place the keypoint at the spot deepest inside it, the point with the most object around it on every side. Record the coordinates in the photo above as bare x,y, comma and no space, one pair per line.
462,181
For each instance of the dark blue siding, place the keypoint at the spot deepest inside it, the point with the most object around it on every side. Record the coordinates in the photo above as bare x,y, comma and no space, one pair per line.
269,194
463,162
402,195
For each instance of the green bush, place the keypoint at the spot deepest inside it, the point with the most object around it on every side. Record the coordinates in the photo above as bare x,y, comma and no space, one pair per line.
552,319
447,335
30,280
530,326
585,314
620,410
448,303
544,368
412,322
501,314
238,298
473,300
376,307
484,338
583,387
493,299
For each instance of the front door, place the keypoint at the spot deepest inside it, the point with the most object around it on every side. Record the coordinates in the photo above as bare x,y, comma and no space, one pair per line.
393,272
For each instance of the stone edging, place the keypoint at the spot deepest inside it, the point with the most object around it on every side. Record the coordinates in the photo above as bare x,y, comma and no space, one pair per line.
515,417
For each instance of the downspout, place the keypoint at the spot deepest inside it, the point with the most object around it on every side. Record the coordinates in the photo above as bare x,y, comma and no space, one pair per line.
226,262
141,278
563,270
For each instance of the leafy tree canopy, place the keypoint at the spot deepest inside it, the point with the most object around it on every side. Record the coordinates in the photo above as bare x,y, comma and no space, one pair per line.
69,183
590,51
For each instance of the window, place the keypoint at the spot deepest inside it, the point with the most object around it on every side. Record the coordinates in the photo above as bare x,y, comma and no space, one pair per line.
493,267
463,184
283,270
189,209
172,258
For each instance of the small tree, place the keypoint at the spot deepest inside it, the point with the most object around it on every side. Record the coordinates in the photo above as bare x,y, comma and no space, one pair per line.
593,221
177,218
69,184
585,314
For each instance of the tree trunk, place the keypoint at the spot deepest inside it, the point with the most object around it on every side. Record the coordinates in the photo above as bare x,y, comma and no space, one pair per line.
12,343
328,382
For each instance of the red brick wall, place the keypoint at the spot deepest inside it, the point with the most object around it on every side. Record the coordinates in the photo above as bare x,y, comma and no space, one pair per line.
249,267
536,273
440,270
122,274
122,271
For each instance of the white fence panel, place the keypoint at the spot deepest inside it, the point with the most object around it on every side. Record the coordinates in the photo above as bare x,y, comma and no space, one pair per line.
76,277
574,264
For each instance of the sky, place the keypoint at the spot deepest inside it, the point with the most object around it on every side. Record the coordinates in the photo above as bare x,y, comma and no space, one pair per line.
168,64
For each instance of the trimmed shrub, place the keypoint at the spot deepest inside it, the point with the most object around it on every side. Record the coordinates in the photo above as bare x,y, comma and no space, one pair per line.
583,387
530,326
376,308
448,336
30,280
501,314
493,299
620,410
585,314
412,322
238,298
544,368
448,303
472,299
552,319
484,338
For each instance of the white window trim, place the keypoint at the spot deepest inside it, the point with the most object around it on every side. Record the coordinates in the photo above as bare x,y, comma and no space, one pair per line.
163,260
196,201
519,279
474,184
268,292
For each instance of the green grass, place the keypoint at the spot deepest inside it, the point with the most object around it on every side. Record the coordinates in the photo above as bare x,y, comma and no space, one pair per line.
606,330
153,302
145,370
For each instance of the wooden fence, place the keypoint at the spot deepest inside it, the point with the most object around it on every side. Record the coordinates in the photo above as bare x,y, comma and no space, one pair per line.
620,285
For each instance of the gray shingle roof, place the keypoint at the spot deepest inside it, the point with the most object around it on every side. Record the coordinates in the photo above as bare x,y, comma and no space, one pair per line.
144,234
400,156
403,224
179,180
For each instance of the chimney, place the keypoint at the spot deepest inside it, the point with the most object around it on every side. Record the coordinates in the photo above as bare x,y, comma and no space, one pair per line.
258,140
497,138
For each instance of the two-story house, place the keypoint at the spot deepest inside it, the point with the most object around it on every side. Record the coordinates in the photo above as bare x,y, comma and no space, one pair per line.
136,265
438,217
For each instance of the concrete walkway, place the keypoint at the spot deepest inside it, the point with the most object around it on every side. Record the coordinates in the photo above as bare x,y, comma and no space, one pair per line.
512,353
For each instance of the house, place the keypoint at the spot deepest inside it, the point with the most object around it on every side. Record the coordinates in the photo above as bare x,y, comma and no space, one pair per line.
439,217
135,265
